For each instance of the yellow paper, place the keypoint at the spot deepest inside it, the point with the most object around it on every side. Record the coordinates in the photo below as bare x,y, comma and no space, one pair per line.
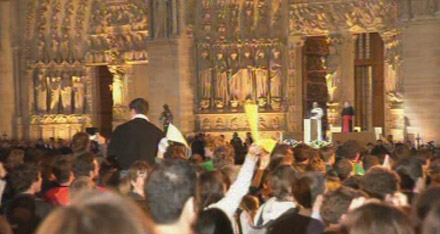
253,119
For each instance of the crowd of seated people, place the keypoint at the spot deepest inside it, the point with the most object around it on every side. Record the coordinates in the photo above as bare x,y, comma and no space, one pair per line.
222,187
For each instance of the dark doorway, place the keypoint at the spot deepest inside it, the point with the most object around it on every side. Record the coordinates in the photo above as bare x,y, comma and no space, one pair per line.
105,100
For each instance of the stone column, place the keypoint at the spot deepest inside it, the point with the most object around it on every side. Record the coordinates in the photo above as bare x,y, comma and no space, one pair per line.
294,92
394,114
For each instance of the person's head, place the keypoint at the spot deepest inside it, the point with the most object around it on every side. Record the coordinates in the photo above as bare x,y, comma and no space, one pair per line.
250,204
14,159
62,170
165,107
223,156
370,161
211,187
213,221
327,154
169,192
409,170
86,165
97,213
343,168
26,178
281,180
138,106
315,105
378,218
401,151
431,224
425,201
138,173
80,143
307,188
349,150
347,104
80,185
379,182
336,203
303,153
175,151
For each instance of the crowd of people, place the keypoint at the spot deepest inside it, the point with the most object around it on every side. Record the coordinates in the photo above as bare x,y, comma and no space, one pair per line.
220,186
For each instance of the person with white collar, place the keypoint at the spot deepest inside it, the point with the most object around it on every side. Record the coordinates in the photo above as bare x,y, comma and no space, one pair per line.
138,139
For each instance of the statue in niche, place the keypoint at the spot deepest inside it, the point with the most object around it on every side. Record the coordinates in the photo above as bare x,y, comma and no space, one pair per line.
78,94
117,87
275,74
165,18
247,68
234,78
205,78
55,93
261,73
221,81
66,93
333,67
40,87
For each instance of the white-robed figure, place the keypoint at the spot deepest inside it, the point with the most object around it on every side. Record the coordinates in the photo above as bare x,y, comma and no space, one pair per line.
317,113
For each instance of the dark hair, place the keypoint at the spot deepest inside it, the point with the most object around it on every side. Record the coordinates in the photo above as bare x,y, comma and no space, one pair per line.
378,218
97,213
308,187
139,105
425,201
223,156
343,168
326,153
83,165
62,169
409,170
175,151
139,167
213,221
210,188
281,180
22,178
303,153
370,161
282,149
336,203
168,188
378,182
80,142
353,181
431,224
349,150
5,228
14,159
401,151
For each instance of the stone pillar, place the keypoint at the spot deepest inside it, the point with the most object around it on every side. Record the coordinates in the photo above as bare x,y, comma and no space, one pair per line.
295,86
7,89
394,114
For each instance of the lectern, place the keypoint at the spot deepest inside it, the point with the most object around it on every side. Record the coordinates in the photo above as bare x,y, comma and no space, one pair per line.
312,130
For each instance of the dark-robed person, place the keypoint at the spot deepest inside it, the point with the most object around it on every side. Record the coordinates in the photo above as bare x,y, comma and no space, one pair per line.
347,118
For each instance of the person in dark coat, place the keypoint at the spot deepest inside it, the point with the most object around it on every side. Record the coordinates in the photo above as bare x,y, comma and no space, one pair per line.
138,139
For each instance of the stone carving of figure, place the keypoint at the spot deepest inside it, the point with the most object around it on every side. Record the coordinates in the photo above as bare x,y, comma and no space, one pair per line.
40,93
234,75
117,86
55,93
205,75
78,93
275,74
334,72
66,93
166,117
247,68
261,74
165,18
221,88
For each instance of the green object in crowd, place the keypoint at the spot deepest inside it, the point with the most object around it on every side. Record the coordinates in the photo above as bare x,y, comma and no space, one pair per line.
358,169
208,165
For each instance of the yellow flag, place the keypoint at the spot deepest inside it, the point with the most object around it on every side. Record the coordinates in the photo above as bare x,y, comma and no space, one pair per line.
251,111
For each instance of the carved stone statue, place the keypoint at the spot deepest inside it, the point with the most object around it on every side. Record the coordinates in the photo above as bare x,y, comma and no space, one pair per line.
334,71
40,87
78,94
165,18
66,93
261,74
221,88
117,86
234,77
205,75
275,74
55,93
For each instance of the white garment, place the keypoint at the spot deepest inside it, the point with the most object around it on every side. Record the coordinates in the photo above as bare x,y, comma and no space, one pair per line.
230,203
318,113
272,210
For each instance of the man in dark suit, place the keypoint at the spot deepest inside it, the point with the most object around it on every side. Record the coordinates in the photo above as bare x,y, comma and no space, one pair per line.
138,139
